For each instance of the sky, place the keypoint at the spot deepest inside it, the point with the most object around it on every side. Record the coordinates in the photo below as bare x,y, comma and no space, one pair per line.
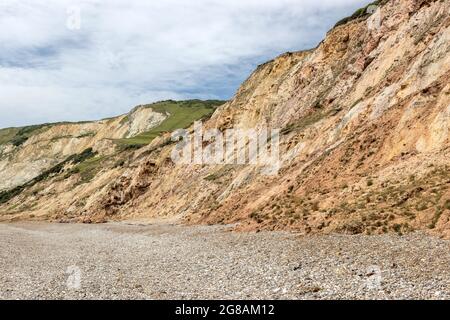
64,60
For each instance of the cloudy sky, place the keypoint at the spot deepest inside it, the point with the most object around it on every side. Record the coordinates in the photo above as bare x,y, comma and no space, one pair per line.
79,60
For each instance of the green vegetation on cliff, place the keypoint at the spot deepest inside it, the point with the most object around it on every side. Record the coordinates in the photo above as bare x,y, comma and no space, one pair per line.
18,136
360,13
181,114
87,154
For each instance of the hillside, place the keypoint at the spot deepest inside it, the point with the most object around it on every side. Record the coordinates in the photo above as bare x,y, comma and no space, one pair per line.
32,154
364,121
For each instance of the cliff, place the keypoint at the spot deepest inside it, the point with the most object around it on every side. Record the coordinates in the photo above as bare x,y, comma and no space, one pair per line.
364,143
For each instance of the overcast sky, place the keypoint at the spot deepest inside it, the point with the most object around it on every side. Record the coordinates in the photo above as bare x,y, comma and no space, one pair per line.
54,66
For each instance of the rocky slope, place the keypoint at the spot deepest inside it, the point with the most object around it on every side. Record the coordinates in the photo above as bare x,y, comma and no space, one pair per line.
364,143
33,157
27,152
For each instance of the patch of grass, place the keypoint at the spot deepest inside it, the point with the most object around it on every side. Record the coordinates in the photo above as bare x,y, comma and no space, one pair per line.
125,120
77,158
25,133
7,195
218,174
305,122
6,135
61,137
88,169
19,140
211,177
181,115
447,205
355,103
360,13
397,228
18,136
436,217
86,134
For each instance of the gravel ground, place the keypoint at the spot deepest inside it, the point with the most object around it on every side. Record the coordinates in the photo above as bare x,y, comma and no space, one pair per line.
124,261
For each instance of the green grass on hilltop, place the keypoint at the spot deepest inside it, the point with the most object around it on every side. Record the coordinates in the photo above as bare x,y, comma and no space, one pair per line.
360,13
181,115
18,136
6,135
88,168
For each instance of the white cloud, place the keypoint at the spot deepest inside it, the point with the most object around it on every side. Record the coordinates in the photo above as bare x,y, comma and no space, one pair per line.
131,52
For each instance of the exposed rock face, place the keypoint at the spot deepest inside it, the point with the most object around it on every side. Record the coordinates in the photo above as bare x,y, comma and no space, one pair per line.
364,145
53,143
143,119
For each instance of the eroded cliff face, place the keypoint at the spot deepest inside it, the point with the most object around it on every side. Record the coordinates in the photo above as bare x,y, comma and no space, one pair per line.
364,143
50,144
